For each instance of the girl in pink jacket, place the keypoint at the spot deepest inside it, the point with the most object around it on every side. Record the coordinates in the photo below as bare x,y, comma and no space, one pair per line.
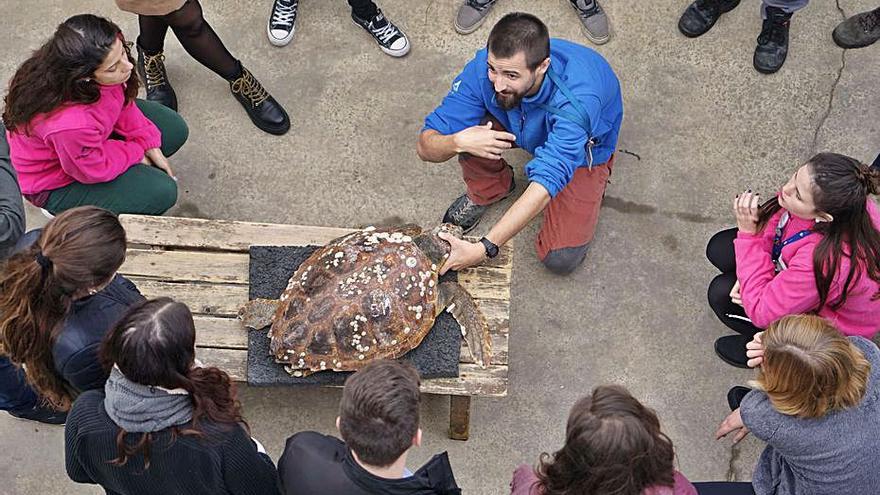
77,135
813,248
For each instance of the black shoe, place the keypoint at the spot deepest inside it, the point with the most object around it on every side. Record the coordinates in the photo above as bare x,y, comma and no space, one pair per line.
282,22
732,350
859,30
42,414
151,68
263,110
389,37
736,395
773,41
467,214
701,15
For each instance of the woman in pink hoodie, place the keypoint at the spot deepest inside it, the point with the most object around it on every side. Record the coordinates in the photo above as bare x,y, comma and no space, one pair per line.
813,248
613,444
77,135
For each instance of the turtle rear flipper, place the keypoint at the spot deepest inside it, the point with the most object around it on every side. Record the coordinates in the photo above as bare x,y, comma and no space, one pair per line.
258,313
456,300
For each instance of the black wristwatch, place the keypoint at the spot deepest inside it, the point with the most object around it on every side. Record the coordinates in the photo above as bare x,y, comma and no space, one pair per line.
491,248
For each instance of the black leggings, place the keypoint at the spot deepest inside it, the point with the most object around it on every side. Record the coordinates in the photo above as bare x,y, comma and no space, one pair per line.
721,254
195,35
365,9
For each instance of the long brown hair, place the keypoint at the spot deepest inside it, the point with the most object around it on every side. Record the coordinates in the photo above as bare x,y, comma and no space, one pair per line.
613,446
842,186
61,71
810,368
79,249
154,345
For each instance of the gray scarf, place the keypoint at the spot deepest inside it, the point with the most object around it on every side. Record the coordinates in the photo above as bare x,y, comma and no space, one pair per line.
140,408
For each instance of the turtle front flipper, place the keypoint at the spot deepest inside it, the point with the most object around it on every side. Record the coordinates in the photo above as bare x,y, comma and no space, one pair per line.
456,300
258,313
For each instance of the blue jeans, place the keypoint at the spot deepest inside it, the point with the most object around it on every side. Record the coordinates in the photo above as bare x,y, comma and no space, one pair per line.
789,6
15,393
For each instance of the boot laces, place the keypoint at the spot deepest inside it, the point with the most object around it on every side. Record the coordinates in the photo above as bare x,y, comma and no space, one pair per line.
589,11
480,5
773,29
384,33
284,13
870,21
154,69
248,86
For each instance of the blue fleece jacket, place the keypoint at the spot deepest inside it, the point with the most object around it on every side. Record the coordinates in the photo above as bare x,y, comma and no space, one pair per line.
559,144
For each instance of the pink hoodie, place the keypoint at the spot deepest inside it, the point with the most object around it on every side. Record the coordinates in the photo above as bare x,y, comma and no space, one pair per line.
72,143
768,296
525,482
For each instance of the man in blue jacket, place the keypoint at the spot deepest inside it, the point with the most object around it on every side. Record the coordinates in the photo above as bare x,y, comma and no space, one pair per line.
557,100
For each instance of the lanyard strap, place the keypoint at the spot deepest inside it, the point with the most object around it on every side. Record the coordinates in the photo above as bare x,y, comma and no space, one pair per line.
778,243
582,118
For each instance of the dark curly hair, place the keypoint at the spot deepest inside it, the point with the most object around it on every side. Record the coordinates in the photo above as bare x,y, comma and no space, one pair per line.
60,71
613,446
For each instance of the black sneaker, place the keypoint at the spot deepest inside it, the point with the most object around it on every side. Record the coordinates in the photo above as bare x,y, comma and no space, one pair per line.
859,30
263,110
732,350
282,22
467,214
151,68
736,395
389,37
772,46
42,414
701,15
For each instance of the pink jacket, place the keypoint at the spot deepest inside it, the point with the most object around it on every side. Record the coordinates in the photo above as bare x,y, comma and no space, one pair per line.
72,143
525,482
768,296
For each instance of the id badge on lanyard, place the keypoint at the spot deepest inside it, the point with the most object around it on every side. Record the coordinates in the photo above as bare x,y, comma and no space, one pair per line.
778,243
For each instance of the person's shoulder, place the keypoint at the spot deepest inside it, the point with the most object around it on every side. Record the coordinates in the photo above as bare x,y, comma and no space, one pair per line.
314,441
525,481
87,413
69,117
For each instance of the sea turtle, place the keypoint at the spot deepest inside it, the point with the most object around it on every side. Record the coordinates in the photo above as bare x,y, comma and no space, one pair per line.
368,295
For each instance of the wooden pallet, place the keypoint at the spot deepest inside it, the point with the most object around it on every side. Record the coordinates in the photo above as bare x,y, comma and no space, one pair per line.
204,263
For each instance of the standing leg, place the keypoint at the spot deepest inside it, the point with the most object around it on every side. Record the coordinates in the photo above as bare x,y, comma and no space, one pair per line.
203,44
593,19
772,48
459,417
570,219
151,60
858,31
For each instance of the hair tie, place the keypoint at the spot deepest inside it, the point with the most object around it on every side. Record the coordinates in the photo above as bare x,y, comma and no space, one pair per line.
44,262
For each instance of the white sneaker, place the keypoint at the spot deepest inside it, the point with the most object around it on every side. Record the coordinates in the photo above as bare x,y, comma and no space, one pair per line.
282,22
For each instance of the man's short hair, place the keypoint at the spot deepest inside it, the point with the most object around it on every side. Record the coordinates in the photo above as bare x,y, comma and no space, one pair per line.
379,411
520,32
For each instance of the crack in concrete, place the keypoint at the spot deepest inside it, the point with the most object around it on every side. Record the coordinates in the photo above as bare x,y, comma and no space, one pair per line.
731,464
833,90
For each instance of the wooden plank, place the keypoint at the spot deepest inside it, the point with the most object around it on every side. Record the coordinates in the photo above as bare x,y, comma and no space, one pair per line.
222,235
202,298
472,380
459,417
486,283
185,266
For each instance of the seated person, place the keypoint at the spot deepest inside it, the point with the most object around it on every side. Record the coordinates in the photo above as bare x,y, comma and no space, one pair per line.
816,404
613,444
791,254
59,296
78,136
16,397
379,422
163,424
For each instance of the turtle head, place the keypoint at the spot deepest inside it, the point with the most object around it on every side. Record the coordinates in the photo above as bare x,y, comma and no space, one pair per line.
435,248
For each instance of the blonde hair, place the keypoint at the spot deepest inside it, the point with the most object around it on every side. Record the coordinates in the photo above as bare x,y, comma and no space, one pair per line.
810,368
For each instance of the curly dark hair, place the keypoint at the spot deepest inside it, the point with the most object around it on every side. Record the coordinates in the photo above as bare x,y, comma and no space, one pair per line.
613,446
60,71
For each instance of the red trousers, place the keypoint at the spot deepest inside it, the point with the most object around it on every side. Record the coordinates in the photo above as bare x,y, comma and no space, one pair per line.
570,218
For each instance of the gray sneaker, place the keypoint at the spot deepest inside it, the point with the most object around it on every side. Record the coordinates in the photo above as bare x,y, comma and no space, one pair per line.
593,19
467,214
471,14
859,30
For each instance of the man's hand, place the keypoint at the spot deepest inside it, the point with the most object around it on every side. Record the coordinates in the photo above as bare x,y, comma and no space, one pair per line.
482,141
735,296
463,254
154,157
732,423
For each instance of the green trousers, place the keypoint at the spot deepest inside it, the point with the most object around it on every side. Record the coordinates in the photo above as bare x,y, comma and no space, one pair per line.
142,189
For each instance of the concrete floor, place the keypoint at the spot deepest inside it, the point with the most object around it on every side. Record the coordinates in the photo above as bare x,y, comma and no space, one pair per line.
700,126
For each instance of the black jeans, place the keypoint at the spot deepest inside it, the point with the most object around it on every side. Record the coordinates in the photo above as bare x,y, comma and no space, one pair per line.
364,9
721,254
724,488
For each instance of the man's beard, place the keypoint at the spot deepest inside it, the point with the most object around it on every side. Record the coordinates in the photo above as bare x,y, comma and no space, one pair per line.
508,102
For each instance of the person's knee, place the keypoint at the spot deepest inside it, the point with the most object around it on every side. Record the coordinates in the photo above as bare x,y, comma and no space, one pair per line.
175,135
163,196
719,290
563,261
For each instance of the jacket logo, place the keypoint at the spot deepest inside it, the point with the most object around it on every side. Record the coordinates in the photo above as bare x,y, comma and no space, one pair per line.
455,85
